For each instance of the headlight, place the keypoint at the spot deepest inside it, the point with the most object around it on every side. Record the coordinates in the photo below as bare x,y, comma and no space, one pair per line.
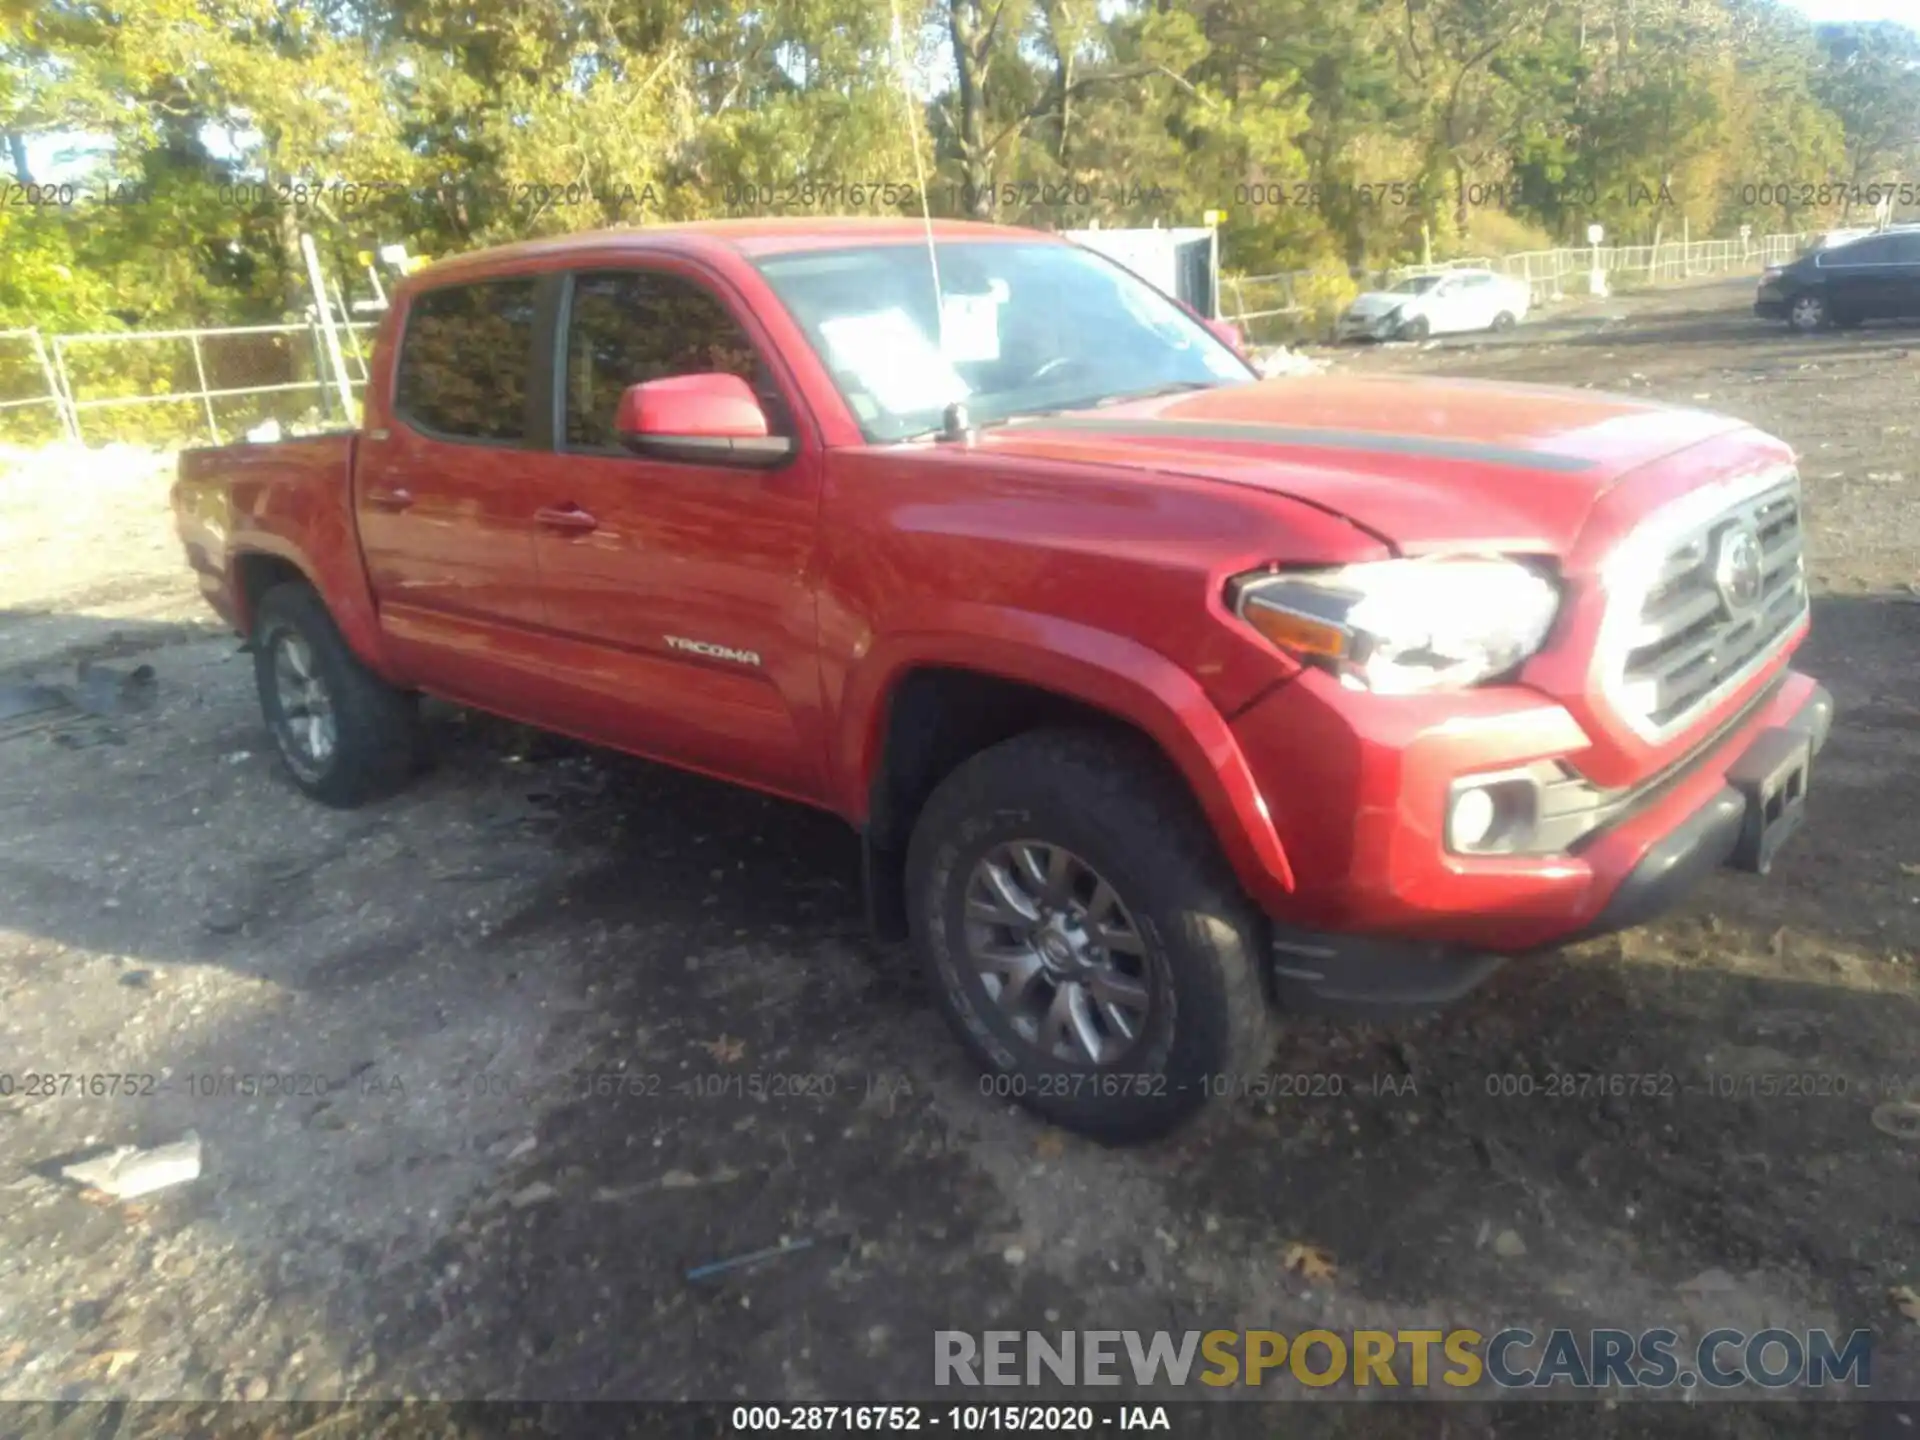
1400,626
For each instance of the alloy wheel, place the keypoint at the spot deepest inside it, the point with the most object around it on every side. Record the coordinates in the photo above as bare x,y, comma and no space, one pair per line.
1058,952
305,728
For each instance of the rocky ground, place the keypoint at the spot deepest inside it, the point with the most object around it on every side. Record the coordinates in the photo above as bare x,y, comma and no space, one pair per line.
483,1073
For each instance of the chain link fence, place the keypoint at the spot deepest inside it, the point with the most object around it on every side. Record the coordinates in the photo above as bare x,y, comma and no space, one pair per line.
175,387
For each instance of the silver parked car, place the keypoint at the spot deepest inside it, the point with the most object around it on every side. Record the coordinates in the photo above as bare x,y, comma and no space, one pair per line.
1446,303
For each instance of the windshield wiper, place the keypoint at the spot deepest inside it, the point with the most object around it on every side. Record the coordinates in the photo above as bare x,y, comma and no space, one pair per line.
1125,397
945,430
1172,387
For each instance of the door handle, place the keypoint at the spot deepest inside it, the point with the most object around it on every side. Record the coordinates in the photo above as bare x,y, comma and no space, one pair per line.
570,518
396,499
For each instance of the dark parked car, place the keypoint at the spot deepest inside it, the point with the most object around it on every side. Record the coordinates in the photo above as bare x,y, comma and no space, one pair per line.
1876,278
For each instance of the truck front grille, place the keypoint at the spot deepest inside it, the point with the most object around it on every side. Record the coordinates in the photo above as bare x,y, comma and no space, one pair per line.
1704,623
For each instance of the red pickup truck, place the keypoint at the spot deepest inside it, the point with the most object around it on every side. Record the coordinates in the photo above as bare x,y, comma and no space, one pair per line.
1164,698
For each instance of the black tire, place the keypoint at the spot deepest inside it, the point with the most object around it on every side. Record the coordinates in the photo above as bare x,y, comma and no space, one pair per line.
1808,313
1504,321
375,728
1416,329
1117,807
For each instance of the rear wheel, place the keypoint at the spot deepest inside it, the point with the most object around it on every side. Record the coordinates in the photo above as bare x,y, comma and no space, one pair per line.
1083,937
1504,320
1808,313
345,735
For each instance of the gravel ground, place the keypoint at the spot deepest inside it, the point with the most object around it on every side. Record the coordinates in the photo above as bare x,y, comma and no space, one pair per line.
481,1073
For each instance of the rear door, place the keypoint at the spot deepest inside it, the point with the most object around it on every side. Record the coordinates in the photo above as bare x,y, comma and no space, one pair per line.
1862,280
441,490
1904,282
679,592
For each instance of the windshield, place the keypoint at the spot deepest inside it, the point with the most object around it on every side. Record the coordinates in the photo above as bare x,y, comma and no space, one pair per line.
1418,285
1023,329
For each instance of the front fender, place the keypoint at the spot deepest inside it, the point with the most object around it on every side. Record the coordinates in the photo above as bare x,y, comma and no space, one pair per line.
1108,672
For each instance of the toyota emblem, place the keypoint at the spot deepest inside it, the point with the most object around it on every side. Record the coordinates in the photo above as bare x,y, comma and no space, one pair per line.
1736,570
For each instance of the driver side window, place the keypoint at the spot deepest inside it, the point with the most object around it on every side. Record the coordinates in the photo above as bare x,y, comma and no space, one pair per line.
626,327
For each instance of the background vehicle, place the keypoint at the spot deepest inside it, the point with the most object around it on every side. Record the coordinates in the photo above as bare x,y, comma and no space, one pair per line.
1442,304
1160,695
1873,278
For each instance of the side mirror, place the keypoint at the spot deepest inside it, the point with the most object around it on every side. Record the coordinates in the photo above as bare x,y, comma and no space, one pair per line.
707,419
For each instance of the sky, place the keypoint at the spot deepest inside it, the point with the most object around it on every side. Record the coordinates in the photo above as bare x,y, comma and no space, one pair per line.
1845,10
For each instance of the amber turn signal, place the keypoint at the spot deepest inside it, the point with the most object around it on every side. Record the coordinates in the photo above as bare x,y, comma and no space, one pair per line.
1298,633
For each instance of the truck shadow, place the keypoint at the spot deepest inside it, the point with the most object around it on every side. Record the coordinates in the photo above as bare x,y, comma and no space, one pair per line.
33,641
661,983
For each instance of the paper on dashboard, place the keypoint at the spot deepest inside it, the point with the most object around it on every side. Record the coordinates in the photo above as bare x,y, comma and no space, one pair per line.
970,325
894,361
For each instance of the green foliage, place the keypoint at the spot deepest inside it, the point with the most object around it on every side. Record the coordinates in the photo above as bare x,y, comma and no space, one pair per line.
1333,134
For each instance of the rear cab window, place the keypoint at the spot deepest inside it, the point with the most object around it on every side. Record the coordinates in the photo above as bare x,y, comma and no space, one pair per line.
465,361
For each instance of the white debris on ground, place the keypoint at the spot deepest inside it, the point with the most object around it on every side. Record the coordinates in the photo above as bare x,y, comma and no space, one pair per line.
129,1171
1276,360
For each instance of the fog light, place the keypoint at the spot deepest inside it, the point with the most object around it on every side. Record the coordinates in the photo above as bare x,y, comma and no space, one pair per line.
1472,819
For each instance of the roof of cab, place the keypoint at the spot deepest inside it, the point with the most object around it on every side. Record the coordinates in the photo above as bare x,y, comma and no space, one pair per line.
752,239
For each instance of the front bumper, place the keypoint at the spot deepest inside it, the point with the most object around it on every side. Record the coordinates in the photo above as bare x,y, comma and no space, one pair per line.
1377,327
1391,918
1770,307
1741,825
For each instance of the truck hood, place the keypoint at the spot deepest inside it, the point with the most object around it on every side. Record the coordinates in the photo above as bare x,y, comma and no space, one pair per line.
1423,464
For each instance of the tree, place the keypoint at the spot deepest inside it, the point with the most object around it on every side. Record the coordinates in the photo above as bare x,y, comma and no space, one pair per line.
1870,81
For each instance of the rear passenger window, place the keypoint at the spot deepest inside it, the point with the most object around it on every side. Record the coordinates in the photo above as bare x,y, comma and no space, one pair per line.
627,327
1878,251
465,359
1906,249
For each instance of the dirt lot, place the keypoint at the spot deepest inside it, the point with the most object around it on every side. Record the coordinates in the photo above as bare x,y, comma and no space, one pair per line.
536,1018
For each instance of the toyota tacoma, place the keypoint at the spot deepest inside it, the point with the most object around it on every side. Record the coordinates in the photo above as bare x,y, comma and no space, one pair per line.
1164,699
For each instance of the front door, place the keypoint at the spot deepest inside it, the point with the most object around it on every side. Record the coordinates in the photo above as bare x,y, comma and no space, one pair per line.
680,591
1447,305
441,491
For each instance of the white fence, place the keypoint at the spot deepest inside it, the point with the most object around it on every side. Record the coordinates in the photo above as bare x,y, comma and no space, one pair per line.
52,393
1551,274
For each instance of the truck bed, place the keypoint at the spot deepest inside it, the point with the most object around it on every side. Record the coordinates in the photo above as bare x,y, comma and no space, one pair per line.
286,499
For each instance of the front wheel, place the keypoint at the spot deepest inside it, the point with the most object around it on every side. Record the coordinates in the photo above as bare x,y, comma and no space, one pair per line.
1417,328
346,735
1504,321
1083,937
1808,313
